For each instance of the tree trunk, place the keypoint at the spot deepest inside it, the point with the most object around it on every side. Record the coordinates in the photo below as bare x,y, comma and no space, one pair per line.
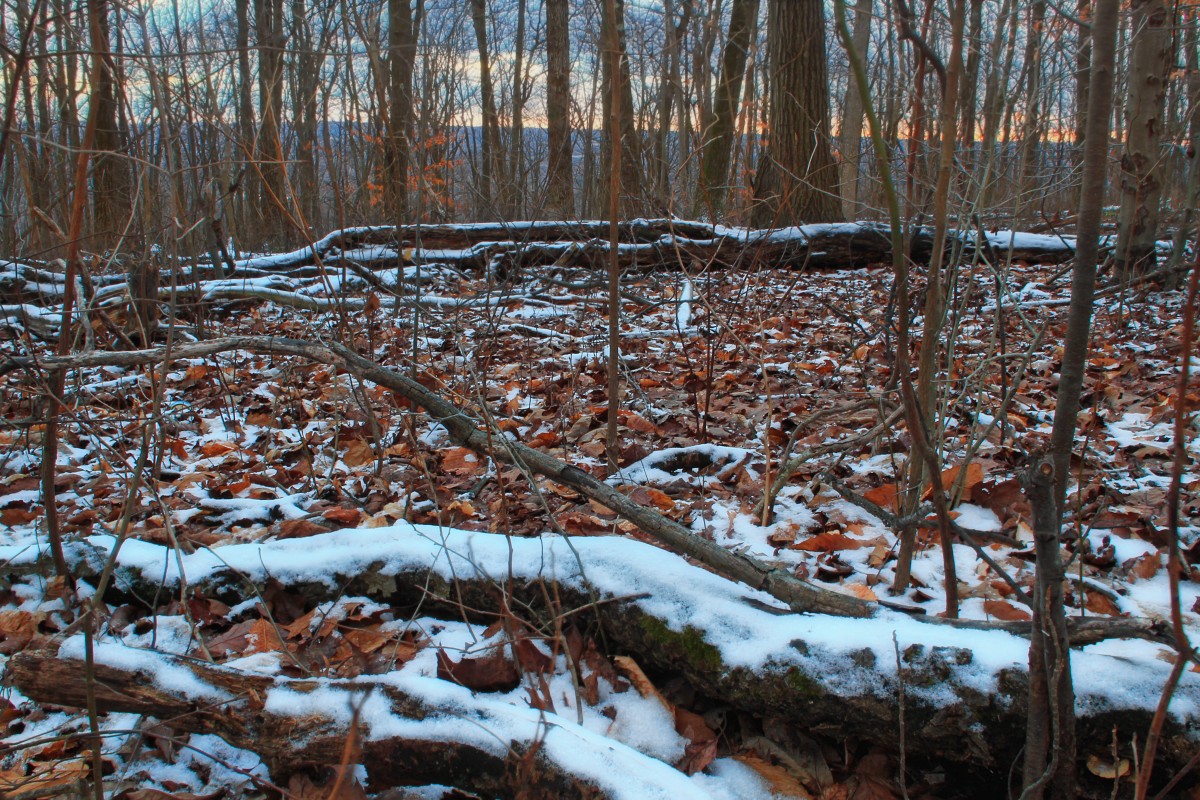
1030,180
718,138
515,204
613,30
402,53
797,179
560,191
1141,168
852,119
112,190
268,16
490,171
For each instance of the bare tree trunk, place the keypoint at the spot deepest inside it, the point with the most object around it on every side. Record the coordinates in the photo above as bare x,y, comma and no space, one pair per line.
1083,68
304,114
402,52
718,138
489,168
630,149
514,204
112,189
268,15
852,118
969,94
1141,169
797,179
249,209
560,194
1050,739
1031,133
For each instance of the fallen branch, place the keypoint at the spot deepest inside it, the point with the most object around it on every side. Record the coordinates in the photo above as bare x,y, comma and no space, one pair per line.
466,430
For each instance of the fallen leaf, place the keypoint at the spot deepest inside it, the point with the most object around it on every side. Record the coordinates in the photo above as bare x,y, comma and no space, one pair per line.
491,673
343,516
1098,603
828,542
1102,768
460,461
883,496
358,453
630,669
782,782
862,592
1006,611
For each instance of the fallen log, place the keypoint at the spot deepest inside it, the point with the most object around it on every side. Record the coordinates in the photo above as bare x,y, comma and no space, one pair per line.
964,690
661,243
303,725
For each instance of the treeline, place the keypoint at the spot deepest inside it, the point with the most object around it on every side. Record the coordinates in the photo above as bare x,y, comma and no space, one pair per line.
271,122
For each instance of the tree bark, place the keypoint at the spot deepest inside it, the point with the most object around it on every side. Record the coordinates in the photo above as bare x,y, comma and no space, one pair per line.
852,117
112,191
613,31
718,138
490,171
560,192
402,53
268,17
1141,163
797,180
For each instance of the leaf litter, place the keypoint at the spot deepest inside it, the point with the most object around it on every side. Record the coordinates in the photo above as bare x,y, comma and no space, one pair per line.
719,376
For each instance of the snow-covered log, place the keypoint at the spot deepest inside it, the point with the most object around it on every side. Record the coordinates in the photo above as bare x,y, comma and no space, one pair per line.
659,243
964,690
410,731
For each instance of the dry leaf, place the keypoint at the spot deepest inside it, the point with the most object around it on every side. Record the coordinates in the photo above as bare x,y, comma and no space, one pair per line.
460,461
782,782
1006,611
358,453
828,542
883,496
343,516
630,669
1107,770
491,673
862,592
1098,603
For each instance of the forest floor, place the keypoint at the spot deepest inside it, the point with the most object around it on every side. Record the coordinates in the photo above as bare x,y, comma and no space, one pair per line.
723,372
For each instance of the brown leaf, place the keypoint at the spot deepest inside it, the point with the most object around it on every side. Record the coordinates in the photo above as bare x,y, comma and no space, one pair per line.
460,461
212,449
630,669
697,755
828,542
883,496
1102,768
782,782
636,422
19,516
491,673
654,498
298,529
358,453
1144,567
862,592
343,516
530,657
1006,611
58,778
1099,603
368,640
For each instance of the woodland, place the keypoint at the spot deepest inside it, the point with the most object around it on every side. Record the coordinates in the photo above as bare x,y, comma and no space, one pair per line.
730,399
